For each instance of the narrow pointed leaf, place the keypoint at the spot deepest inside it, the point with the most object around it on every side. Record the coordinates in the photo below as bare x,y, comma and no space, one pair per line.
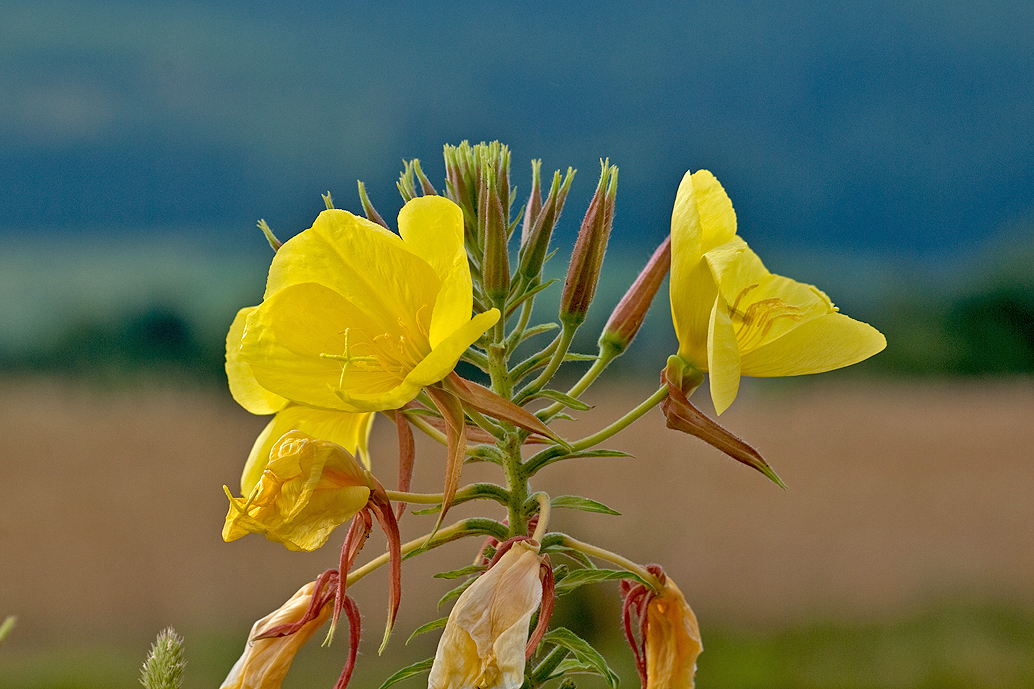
456,435
583,652
577,502
429,627
487,402
408,671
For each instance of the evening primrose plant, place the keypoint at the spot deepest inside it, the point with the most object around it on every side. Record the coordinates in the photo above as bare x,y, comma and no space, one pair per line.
358,321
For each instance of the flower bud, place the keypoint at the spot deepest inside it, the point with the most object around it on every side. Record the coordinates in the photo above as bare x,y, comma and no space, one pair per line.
627,318
494,231
535,244
461,189
534,206
587,258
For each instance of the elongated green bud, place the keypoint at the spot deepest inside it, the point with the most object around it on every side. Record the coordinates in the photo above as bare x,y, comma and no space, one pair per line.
461,189
492,226
587,258
535,245
534,206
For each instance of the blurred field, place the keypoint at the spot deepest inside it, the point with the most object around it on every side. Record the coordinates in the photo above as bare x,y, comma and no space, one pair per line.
901,555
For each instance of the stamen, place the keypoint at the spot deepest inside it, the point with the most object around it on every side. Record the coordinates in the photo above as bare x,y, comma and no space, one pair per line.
757,321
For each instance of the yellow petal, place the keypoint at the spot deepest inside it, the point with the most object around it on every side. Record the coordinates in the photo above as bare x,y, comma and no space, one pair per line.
295,342
723,357
703,218
350,430
368,265
763,306
821,344
432,227
243,386
442,360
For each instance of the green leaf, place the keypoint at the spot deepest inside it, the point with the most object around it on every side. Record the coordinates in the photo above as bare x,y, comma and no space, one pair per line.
409,671
430,626
457,573
454,593
583,653
563,399
581,577
573,356
577,502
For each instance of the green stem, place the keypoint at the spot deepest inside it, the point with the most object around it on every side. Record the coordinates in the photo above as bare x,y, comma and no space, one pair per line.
563,343
543,523
416,498
622,423
613,558
588,378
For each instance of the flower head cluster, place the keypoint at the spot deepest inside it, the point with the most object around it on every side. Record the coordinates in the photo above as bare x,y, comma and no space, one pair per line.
357,319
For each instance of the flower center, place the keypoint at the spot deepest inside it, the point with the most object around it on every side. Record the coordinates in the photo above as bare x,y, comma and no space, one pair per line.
386,353
754,322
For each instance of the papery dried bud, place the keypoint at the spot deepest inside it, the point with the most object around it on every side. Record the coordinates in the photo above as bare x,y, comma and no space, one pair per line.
535,245
628,317
484,641
265,661
669,643
587,258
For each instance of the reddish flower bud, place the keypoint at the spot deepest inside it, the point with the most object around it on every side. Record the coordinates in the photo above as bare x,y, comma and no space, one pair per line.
628,317
587,258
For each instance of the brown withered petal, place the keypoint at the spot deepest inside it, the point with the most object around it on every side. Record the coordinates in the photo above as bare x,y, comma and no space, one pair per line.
681,415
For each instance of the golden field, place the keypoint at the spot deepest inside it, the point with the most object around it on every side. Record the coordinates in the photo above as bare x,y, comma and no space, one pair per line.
111,506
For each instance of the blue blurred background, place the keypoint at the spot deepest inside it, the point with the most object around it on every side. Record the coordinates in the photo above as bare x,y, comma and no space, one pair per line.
883,150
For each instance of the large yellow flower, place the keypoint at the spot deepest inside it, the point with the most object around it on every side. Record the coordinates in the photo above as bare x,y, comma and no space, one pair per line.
734,318
356,318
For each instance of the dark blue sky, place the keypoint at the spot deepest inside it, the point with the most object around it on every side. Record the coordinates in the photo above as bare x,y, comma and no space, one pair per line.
896,129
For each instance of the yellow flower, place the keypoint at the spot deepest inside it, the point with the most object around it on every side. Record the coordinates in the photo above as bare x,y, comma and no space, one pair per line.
356,318
308,488
485,639
734,318
672,640
265,661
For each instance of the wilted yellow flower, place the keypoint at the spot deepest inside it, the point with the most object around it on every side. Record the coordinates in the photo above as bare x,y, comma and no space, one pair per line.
357,318
265,661
485,639
307,489
672,641
734,318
